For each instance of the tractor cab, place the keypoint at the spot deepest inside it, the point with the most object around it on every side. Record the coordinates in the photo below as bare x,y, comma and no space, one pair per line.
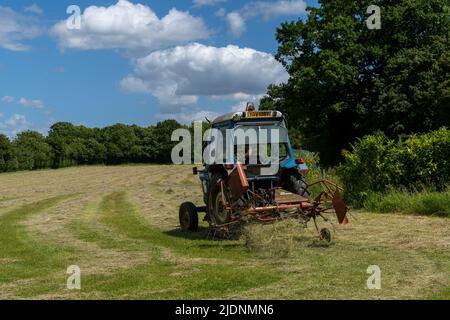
255,139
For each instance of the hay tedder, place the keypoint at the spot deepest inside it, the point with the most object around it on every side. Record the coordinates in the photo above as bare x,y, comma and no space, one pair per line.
240,192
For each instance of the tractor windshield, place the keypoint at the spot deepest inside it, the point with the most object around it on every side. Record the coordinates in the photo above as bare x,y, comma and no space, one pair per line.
260,144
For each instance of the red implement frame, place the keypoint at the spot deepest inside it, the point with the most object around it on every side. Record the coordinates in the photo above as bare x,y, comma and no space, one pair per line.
330,200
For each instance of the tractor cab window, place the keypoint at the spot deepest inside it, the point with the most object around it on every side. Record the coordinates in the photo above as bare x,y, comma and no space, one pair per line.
260,144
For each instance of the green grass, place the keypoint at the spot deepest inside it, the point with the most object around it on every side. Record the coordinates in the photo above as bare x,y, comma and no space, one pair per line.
421,202
160,278
441,295
197,268
154,278
121,217
30,259
126,252
165,280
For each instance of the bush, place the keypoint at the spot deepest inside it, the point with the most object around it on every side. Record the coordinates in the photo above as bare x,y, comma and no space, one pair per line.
377,163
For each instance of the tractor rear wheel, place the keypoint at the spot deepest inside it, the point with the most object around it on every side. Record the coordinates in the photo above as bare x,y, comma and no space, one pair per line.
295,182
188,217
216,209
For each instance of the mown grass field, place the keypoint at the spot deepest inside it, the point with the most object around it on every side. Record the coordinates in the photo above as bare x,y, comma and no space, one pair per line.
119,225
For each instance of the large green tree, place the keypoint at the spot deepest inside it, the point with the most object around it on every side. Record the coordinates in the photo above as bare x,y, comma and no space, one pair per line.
347,80
121,143
158,144
61,137
74,145
32,150
8,160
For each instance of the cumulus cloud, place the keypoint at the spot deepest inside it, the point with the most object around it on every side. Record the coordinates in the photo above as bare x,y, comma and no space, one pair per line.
13,125
266,10
236,23
187,115
202,3
8,99
130,26
38,104
239,106
178,76
221,12
15,28
34,8
242,97
32,103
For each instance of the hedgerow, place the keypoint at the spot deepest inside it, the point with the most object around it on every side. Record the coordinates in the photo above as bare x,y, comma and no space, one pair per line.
377,163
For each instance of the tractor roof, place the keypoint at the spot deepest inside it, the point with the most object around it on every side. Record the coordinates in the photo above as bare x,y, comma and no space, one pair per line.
252,115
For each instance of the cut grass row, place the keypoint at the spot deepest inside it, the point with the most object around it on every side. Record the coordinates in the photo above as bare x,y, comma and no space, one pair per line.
198,269
175,267
23,257
167,264
202,268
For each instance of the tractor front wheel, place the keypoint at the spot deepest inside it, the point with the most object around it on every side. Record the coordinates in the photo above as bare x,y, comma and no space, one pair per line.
188,217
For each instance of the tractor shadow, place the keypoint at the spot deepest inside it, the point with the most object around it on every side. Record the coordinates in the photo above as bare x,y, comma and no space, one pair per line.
201,234
205,234
317,243
203,239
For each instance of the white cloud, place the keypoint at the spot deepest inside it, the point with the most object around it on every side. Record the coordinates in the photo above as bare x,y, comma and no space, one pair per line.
187,115
202,3
15,28
16,120
34,8
236,23
239,106
38,104
130,26
240,96
221,12
32,103
266,10
8,99
178,76
15,124
164,89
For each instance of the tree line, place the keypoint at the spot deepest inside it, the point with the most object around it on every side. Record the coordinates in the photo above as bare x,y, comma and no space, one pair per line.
70,145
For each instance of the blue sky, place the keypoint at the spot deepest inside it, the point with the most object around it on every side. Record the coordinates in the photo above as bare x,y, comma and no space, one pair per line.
135,62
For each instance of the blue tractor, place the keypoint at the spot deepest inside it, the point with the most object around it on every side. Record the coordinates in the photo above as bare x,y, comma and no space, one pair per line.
251,188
